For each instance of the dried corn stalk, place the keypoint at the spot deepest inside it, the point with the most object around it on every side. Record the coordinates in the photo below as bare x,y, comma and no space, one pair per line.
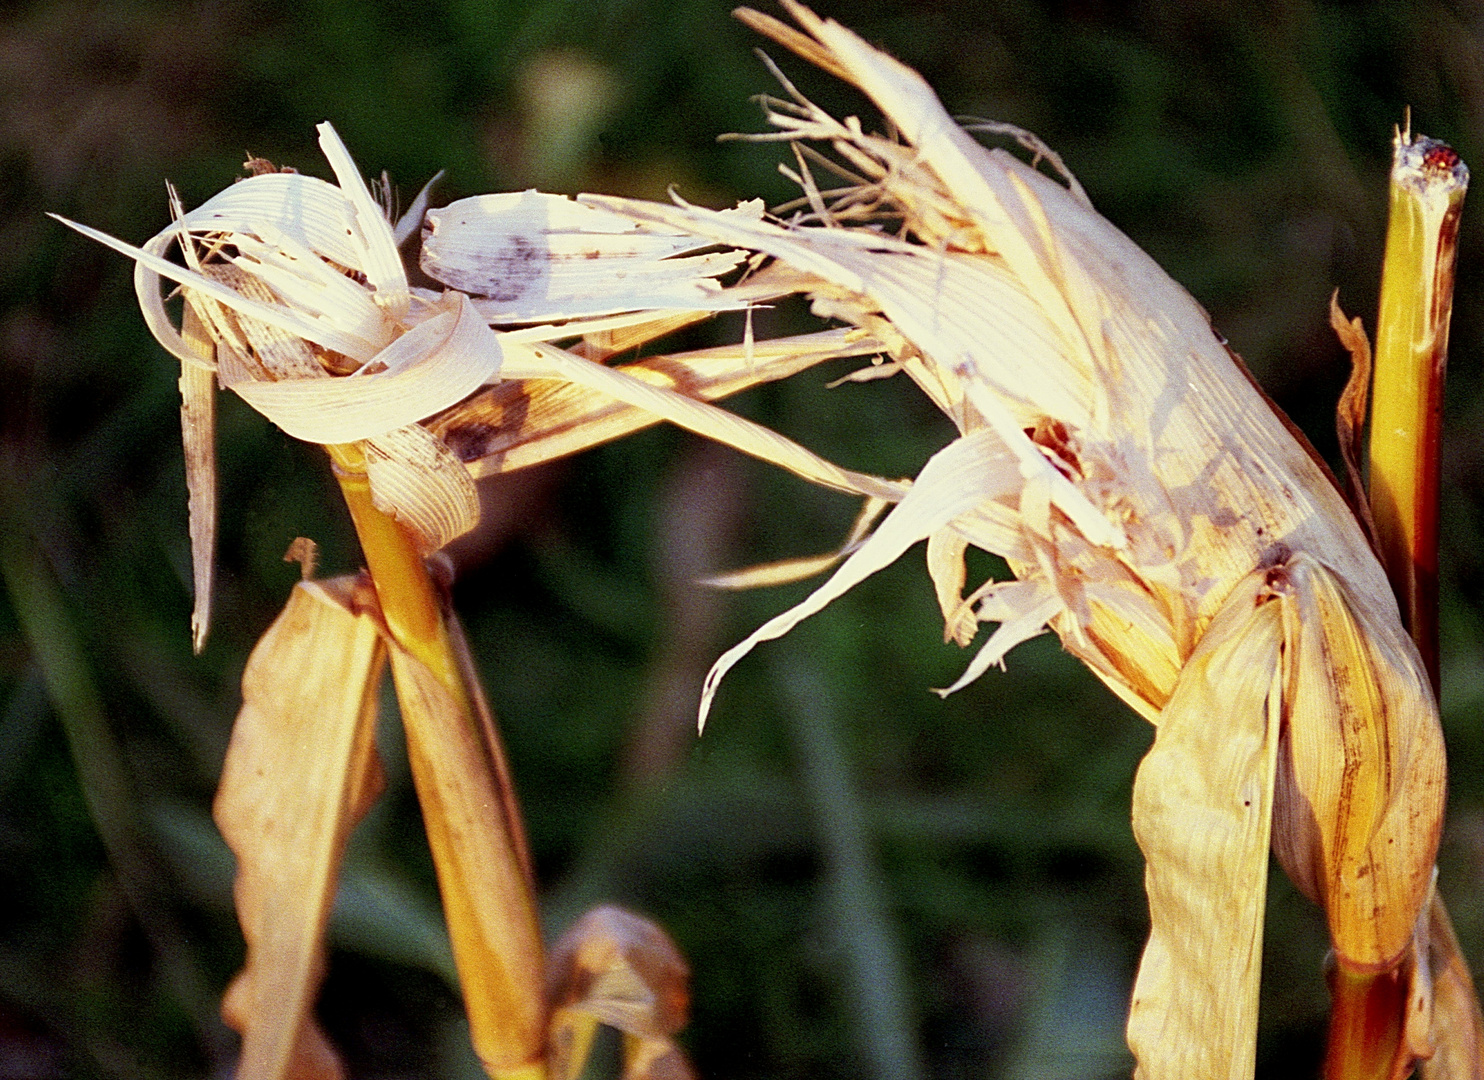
1158,514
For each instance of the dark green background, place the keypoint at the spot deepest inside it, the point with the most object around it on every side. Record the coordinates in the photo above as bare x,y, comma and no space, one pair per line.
867,881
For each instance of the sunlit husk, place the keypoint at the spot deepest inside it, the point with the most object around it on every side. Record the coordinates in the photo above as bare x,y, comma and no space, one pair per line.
301,770
1120,458
518,423
297,300
1203,812
418,480
528,256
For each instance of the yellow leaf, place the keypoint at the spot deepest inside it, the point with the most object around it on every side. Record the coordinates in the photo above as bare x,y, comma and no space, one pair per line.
1203,806
300,772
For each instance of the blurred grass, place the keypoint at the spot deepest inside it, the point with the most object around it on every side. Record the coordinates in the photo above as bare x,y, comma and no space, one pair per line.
1244,145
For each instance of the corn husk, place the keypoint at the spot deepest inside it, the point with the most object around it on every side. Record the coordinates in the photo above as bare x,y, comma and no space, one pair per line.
525,255
296,298
613,967
301,770
1121,460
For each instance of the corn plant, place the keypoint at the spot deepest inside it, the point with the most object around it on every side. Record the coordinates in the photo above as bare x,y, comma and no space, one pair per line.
1158,515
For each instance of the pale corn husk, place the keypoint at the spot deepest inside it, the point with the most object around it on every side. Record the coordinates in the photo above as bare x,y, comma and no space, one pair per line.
301,770
296,298
1158,515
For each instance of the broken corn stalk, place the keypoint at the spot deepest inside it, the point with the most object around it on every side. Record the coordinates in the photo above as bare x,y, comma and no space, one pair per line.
1371,1031
1158,514
1428,183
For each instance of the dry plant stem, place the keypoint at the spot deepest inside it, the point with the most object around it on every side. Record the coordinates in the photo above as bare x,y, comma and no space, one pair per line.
1427,189
474,829
1365,1026
408,599
1428,183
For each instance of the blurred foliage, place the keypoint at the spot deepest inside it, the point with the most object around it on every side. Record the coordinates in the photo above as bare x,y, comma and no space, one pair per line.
867,881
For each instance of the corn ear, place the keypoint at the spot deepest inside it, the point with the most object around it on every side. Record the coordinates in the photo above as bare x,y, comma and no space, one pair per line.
1121,460
1361,781
301,770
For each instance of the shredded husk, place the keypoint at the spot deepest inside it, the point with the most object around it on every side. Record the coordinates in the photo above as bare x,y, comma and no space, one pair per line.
1121,460
297,300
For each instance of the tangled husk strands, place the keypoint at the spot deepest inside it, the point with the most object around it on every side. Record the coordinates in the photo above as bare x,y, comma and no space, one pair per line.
1158,515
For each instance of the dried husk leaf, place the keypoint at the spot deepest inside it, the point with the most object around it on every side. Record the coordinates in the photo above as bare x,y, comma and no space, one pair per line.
528,256
1202,813
711,422
300,771
198,435
518,423
436,363
785,571
613,967
1361,780
298,286
419,481
950,485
